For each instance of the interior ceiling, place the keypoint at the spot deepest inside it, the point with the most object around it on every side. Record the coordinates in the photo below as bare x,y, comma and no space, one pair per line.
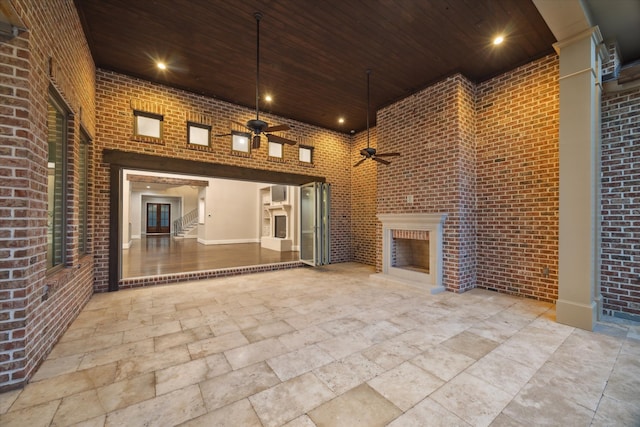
313,54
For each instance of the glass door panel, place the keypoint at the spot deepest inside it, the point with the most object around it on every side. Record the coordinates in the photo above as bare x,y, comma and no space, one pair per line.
315,225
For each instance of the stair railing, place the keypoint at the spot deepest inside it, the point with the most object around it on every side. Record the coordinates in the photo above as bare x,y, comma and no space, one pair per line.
184,221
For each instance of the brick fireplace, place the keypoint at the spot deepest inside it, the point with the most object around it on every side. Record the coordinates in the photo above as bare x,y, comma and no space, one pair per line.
412,249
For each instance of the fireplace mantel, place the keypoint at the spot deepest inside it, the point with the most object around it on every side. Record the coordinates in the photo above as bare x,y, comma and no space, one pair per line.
433,223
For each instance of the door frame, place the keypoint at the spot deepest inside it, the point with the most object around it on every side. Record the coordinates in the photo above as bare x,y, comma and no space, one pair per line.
119,160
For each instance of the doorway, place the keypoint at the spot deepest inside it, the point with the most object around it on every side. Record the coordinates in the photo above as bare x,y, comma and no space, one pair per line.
158,218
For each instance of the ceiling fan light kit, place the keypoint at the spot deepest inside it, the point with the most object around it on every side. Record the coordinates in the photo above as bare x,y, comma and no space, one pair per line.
370,152
256,126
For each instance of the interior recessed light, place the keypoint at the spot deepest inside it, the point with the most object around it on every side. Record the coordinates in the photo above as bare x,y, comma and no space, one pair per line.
268,98
162,65
148,186
498,40
341,120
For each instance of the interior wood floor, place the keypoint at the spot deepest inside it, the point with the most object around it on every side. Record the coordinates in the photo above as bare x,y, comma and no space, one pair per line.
161,254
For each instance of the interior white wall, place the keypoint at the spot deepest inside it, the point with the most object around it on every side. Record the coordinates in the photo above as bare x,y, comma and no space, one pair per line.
232,213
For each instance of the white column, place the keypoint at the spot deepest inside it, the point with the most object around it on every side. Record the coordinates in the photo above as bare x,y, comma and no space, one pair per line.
579,300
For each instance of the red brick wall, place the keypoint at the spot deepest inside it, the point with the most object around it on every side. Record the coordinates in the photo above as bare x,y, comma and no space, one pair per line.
517,181
363,201
52,52
620,271
433,130
115,93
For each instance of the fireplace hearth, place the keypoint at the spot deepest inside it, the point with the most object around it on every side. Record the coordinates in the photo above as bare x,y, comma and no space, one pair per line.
412,249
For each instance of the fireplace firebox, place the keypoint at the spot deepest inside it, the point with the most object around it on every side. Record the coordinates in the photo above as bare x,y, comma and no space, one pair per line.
280,224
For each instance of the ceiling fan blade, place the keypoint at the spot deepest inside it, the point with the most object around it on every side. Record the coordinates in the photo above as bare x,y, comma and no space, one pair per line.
387,154
277,128
280,140
223,134
256,142
383,161
360,162
365,153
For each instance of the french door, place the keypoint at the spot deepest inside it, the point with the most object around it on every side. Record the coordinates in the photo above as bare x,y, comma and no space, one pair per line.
158,218
315,224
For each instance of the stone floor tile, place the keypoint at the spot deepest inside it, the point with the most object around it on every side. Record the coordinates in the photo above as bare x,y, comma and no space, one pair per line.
216,344
192,372
127,392
138,334
117,353
470,345
506,374
235,385
347,373
342,326
301,421
405,385
298,362
54,367
503,420
268,330
346,344
558,410
34,416
380,331
7,398
53,389
390,353
93,422
443,362
624,382
86,345
135,366
286,401
78,408
427,413
612,412
249,354
472,399
359,407
164,342
304,337
238,414
169,409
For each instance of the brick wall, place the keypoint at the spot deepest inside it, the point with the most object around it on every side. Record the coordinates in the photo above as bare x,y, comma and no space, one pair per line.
116,93
363,201
53,52
517,181
620,202
433,130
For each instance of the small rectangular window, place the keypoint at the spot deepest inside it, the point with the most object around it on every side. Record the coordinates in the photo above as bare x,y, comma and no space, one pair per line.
199,134
240,141
275,149
305,154
57,122
83,197
148,124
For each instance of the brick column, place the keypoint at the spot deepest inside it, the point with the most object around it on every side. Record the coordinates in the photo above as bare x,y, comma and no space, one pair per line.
579,301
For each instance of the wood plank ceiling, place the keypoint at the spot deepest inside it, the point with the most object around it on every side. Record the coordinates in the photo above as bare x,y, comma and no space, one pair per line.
313,54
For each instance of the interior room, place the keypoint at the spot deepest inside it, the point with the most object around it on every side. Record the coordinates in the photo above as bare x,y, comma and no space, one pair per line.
302,213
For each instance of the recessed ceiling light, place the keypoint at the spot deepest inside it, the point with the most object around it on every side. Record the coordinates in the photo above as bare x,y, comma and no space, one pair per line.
498,40
148,186
162,65
341,120
268,98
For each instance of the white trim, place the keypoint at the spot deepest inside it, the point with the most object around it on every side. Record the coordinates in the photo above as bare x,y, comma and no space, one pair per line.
227,242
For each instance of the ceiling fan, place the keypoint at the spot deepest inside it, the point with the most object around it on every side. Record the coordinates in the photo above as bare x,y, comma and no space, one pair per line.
370,153
257,126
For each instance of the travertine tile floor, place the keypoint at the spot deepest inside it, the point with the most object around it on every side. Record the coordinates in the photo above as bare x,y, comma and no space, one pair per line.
328,347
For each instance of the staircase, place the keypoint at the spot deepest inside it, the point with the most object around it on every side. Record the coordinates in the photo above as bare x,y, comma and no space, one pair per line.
183,225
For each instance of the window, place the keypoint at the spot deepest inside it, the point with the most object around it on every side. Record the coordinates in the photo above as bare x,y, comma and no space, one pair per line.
275,149
83,190
240,141
147,124
198,134
57,120
305,154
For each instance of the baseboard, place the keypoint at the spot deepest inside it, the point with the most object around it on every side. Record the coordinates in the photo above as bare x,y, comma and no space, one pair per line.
227,242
